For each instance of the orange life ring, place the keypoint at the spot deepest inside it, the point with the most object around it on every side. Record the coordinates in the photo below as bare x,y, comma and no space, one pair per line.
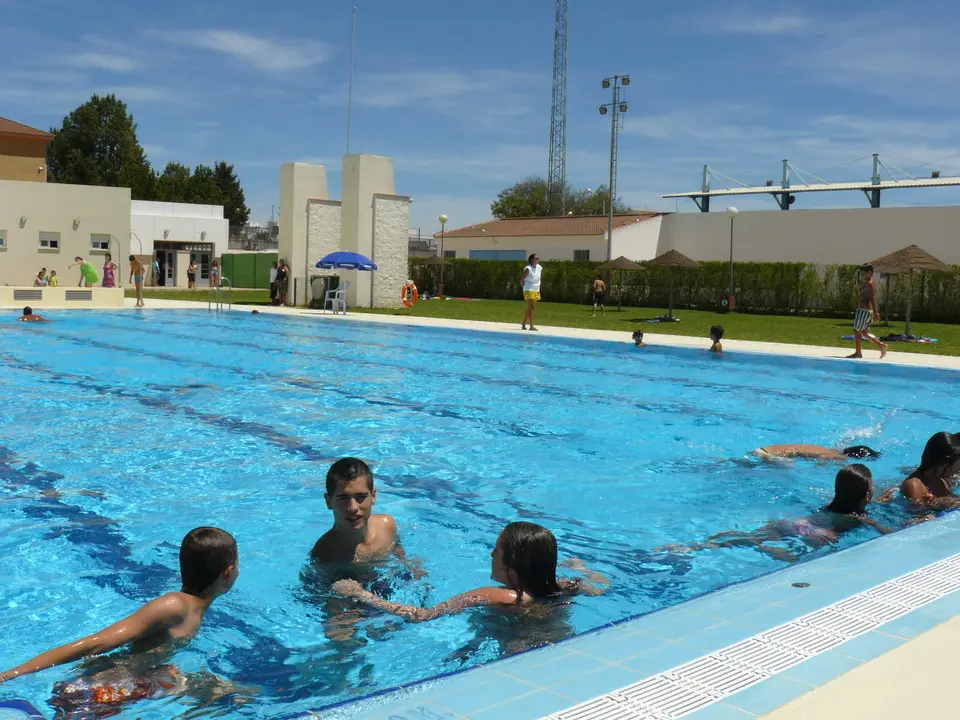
414,294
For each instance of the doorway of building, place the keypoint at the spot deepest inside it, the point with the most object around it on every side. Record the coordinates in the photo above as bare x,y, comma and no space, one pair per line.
167,259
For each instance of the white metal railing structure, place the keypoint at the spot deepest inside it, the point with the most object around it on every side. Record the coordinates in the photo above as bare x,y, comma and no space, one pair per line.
219,295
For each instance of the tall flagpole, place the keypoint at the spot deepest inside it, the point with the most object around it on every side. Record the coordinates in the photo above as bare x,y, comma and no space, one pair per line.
353,47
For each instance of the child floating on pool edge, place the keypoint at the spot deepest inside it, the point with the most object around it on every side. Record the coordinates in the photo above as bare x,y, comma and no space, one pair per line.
209,566
524,562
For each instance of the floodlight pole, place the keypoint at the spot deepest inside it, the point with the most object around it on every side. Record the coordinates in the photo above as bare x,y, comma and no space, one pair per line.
616,108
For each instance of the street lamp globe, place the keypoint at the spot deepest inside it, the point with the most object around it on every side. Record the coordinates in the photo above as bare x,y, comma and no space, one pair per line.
732,212
443,219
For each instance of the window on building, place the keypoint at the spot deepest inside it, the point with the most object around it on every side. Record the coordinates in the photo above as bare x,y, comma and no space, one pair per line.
449,253
99,241
49,240
3,239
581,255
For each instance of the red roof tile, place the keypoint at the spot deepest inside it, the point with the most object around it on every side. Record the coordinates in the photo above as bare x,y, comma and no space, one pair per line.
9,127
550,226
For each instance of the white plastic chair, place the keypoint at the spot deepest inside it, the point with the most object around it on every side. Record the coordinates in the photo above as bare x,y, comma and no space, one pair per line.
337,298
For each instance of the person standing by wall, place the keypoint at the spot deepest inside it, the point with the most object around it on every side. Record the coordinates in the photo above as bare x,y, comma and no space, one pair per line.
531,289
283,277
88,276
109,267
215,274
192,275
867,313
136,277
273,284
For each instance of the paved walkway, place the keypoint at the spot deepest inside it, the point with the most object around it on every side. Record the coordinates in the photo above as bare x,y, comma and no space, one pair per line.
911,681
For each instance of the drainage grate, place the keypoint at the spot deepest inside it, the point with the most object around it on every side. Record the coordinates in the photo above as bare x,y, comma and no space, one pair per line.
685,689
28,294
79,295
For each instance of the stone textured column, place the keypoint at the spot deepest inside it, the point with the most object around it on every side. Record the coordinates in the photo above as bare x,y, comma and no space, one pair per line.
363,177
299,183
391,248
323,236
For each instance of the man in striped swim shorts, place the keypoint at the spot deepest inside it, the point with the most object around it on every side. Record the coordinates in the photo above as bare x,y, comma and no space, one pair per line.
866,313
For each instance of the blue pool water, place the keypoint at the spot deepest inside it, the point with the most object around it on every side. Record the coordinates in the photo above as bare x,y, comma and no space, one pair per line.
122,431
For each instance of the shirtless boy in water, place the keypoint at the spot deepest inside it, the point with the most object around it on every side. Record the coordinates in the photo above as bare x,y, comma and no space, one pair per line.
814,452
357,534
209,567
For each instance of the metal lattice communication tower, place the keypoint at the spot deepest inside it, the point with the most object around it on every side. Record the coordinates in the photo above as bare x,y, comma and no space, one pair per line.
557,171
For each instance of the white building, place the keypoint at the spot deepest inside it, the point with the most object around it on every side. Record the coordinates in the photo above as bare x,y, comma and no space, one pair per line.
174,234
635,235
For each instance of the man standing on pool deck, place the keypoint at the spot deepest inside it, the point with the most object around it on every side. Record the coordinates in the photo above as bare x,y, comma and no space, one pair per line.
357,534
531,289
599,288
866,313
136,277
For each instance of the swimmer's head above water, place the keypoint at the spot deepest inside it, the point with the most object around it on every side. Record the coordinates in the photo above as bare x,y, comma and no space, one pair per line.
853,490
350,493
638,337
525,559
209,562
861,452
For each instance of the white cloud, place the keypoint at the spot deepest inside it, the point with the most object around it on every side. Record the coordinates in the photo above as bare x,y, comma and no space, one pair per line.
103,61
759,22
260,53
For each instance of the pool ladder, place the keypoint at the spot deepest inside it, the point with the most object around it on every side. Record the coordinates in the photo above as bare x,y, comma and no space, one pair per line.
219,296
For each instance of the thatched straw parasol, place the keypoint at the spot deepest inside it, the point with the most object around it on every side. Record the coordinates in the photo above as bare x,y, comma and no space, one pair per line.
904,262
672,259
621,263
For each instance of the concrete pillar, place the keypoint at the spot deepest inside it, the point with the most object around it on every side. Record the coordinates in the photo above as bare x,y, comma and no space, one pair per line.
363,177
182,263
299,182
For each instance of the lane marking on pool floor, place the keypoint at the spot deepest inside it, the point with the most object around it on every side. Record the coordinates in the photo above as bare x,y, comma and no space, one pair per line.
690,687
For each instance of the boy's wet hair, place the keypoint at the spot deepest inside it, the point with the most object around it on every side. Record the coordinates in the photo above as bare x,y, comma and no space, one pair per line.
530,550
638,335
716,332
852,490
346,469
941,448
866,267
861,452
27,311
205,554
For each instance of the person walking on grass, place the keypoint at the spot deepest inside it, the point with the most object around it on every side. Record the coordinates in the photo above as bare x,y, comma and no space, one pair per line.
867,313
532,274
599,288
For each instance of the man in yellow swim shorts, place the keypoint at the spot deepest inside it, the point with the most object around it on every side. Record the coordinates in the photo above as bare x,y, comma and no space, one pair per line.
531,289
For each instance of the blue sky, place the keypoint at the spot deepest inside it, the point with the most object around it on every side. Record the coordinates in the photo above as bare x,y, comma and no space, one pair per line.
458,93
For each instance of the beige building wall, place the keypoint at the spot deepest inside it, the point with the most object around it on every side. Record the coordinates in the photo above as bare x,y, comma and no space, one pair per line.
636,242
824,237
73,211
299,183
547,247
23,159
391,248
363,177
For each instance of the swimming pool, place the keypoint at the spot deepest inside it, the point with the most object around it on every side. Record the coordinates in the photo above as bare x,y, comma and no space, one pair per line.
125,430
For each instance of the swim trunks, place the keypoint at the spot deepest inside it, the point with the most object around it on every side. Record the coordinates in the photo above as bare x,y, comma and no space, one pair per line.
89,695
531,295
863,320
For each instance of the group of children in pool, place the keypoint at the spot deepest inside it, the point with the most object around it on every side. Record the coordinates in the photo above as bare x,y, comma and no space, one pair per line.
523,561
716,335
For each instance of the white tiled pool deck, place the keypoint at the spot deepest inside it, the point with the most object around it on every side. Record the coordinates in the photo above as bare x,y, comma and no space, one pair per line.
856,659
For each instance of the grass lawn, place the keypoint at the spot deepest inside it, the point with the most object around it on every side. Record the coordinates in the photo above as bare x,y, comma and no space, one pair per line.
245,297
766,328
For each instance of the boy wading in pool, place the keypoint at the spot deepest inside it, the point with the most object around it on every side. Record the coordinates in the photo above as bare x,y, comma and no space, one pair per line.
209,567
357,534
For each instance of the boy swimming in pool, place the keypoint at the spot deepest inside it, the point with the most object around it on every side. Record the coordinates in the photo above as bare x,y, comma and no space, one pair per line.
716,335
357,534
209,567
805,451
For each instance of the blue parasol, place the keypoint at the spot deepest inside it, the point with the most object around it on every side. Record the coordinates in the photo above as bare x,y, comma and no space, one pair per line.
346,261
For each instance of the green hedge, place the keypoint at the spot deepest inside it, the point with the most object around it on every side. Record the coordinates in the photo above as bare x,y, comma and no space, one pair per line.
774,288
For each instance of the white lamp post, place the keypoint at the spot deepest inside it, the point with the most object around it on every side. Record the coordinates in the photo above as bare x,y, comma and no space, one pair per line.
732,212
443,226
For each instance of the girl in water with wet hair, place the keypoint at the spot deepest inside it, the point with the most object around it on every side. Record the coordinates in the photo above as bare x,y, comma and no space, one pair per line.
524,562
853,491
932,482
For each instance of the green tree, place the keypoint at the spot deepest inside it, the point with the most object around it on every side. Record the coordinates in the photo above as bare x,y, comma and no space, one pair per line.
98,145
173,184
203,187
234,201
528,198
